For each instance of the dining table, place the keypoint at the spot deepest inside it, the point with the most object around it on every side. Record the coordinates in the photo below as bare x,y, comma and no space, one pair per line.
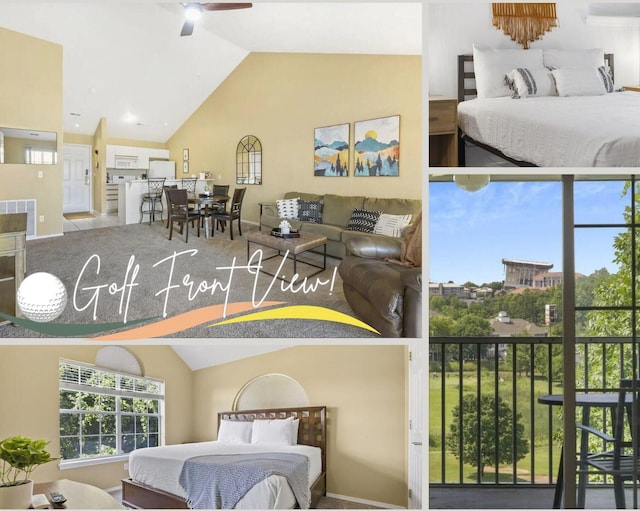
588,401
207,203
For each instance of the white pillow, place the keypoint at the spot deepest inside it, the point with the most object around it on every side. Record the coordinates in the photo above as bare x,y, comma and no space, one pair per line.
235,431
287,208
578,82
532,82
294,431
272,431
491,66
391,225
573,58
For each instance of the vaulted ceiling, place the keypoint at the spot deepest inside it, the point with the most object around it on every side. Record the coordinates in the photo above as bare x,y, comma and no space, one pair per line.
126,61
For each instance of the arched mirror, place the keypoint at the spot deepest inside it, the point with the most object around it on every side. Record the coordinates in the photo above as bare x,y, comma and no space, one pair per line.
270,391
249,161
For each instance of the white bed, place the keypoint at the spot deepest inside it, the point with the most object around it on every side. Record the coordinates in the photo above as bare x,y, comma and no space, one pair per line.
554,131
547,108
160,468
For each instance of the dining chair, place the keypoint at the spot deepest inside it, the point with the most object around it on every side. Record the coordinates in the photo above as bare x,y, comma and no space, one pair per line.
220,190
234,212
619,457
180,212
168,201
152,199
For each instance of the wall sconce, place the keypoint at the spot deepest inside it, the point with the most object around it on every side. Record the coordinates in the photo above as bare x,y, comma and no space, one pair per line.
471,182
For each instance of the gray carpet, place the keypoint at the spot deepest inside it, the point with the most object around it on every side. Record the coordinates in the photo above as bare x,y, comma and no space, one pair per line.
66,256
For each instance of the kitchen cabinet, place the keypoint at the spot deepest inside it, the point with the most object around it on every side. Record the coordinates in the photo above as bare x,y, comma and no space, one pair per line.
139,155
112,198
13,256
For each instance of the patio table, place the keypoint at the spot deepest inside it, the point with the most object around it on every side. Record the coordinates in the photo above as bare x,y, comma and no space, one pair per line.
587,401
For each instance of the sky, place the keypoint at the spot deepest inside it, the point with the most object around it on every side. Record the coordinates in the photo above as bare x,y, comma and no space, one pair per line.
470,233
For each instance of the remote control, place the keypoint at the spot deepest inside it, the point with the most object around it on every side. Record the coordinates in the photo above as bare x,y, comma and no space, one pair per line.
57,497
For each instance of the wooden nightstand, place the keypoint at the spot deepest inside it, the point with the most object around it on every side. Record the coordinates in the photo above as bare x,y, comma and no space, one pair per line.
443,132
634,88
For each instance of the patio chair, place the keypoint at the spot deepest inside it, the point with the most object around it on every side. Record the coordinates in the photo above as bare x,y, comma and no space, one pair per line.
620,461
234,212
180,211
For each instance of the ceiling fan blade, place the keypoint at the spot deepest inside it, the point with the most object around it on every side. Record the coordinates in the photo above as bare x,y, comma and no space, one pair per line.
225,6
187,28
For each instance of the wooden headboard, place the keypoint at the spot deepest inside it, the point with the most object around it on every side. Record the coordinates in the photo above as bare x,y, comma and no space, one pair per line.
466,73
313,425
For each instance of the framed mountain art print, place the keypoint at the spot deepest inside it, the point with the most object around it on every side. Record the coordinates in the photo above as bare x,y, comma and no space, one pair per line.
377,147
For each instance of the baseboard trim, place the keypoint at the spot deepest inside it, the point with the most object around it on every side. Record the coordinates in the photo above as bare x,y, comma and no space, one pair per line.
371,503
111,490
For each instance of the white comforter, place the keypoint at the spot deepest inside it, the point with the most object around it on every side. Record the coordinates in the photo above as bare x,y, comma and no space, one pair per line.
553,131
160,468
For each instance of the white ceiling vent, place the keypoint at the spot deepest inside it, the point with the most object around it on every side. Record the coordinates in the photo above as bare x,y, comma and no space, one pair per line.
119,359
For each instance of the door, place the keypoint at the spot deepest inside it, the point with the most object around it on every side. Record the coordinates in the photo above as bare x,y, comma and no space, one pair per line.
76,178
418,370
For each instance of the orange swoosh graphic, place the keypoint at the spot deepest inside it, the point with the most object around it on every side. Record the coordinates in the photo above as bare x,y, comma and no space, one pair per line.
181,322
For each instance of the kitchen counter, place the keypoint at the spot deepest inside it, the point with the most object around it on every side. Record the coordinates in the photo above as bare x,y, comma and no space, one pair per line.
130,197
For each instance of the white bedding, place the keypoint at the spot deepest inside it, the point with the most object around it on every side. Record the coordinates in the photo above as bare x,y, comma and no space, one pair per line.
553,131
160,468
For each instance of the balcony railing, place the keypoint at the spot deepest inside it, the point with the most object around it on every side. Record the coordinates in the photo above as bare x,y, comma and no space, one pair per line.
518,441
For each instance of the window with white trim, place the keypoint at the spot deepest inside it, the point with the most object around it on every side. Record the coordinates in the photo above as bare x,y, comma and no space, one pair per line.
105,413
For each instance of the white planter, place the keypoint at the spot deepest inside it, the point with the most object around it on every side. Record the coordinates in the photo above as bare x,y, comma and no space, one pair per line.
16,496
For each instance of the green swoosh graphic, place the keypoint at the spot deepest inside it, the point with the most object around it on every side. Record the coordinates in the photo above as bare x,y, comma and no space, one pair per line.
70,329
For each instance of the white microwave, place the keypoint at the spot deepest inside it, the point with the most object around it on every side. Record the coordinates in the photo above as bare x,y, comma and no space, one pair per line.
126,162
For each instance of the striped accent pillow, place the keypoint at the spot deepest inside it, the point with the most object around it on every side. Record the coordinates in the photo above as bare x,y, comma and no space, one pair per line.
363,220
605,76
526,82
392,225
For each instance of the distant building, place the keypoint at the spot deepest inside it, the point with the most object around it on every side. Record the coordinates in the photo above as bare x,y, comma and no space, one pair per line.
520,274
547,279
503,325
449,290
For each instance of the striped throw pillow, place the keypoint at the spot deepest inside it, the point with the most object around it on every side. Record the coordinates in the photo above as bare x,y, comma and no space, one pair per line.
363,220
392,225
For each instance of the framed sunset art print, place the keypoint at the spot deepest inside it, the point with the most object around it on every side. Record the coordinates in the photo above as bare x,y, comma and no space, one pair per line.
377,147
331,151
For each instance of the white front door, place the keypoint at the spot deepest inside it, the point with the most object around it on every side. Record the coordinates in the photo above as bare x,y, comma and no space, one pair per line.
76,178
418,371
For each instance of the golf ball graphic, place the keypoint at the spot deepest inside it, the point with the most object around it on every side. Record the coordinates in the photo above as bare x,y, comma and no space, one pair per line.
42,297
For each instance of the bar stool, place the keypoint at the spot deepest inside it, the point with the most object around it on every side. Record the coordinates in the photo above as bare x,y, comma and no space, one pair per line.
152,199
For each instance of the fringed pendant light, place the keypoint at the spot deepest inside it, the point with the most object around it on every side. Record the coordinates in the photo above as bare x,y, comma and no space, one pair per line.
524,22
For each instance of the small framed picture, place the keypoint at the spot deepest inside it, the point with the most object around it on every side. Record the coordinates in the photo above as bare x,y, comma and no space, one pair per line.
185,167
185,154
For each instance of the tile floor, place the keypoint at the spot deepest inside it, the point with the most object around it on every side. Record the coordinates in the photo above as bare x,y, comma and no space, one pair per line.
99,221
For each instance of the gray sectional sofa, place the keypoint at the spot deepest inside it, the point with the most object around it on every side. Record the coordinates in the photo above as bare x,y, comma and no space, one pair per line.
336,213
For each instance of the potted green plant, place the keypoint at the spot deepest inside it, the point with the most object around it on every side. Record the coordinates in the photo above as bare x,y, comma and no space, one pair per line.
19,456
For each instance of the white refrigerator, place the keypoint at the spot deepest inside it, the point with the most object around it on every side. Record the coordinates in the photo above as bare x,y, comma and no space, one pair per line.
162,169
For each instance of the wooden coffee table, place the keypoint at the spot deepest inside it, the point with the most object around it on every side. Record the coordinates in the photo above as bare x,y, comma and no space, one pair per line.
295,247
79,495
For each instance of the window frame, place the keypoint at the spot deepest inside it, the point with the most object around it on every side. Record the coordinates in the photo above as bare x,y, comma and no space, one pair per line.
116,389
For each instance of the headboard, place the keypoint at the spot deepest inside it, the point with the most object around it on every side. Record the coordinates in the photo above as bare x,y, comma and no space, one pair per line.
466,72
313,425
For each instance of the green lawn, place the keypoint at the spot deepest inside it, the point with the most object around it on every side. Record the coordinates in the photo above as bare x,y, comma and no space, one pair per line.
523,388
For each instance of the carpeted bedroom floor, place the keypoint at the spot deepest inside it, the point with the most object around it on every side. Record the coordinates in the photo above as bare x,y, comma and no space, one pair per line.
98,266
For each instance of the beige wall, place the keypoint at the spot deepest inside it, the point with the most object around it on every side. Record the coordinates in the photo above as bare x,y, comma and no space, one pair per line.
29,400
364,389
282,98
31,85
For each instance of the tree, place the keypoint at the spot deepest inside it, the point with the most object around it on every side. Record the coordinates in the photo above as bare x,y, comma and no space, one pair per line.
481,450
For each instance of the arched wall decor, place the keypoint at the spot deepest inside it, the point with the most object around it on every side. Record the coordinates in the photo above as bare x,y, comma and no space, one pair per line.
524,22
249,161
270,391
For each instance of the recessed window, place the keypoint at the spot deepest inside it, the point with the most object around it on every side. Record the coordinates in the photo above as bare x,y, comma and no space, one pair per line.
104,413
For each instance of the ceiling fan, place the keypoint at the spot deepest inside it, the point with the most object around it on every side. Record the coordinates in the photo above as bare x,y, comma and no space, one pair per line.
193,11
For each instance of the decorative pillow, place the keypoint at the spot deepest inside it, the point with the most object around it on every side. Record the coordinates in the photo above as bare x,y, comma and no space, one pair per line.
294,431
531,82
288,208
605,76
578,82
555,59
491,66
235,431
272,431
310,211
392,225
363,220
